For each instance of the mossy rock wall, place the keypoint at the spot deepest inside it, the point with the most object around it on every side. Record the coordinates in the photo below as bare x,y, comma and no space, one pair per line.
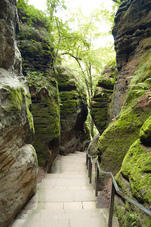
46,114
34,45
134,179
73,113
124,146
101,102
120,134
37,54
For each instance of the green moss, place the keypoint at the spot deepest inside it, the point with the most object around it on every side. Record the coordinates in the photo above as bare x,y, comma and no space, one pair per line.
117,138
65,79
46,118
100,108
40,82
29,115
145,132
100,117
15,98
46,113
69,102
137,168
134,178
107,83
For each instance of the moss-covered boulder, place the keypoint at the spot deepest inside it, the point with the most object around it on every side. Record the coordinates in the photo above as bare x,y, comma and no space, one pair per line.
92,148
134,179
145,132
101,102
73,113
118,137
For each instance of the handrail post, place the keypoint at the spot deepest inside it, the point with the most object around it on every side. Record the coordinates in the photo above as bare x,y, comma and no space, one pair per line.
87,160
96,179
88,166
90,171
111,209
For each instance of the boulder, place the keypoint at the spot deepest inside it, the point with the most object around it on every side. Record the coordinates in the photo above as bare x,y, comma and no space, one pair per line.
116,140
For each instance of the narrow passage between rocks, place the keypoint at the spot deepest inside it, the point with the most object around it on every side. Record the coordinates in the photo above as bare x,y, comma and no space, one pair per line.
64,198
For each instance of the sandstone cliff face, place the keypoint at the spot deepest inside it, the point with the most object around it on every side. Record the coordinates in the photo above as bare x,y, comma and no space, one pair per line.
132,28
133,83
101,102
18,161
73,114
37,63
46,113
125,145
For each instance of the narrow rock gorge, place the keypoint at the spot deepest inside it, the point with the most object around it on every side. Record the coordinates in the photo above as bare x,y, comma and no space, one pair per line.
46,111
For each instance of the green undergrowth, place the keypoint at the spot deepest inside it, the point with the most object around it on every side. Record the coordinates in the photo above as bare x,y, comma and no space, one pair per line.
69,102
32,16
40,81
33,33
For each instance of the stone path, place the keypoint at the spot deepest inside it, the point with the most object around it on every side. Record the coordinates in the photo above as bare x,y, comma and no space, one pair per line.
64,198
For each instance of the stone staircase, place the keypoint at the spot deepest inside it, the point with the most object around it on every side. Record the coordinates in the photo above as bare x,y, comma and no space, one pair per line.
64,198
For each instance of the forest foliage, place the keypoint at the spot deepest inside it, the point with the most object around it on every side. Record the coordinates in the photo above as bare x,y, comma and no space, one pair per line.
76,41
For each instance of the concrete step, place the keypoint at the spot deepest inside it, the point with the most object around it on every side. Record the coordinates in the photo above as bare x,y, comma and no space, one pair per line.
72,218
64,198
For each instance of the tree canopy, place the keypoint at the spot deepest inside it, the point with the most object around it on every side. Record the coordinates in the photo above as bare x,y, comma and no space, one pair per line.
82,43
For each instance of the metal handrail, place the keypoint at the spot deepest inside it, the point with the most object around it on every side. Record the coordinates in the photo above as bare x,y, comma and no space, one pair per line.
114,189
